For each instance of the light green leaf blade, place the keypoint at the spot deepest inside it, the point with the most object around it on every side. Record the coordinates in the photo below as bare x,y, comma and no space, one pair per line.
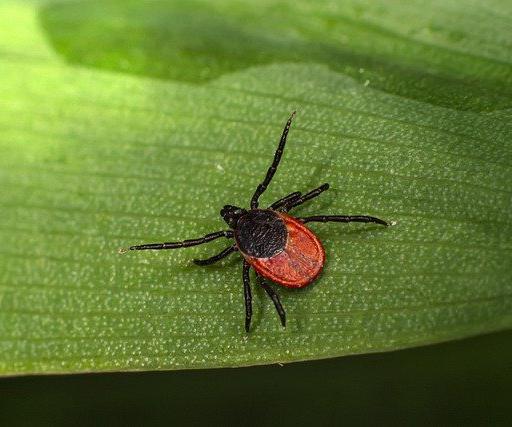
93,160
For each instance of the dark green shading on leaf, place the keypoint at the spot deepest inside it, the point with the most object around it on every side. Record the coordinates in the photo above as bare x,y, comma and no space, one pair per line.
459,57
466,382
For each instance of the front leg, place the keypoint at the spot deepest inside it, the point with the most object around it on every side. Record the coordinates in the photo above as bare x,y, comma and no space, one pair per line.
273,167
308,196
285,200
247,295
228,234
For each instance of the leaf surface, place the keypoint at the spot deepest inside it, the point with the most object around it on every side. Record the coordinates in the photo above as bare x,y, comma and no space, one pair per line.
95,158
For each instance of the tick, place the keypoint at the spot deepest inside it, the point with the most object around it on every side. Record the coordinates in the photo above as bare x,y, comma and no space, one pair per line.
278,246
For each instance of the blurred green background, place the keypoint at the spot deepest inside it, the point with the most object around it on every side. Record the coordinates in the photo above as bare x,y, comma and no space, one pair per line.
465,382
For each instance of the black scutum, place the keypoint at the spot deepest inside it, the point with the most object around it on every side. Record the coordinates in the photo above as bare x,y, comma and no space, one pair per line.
261,233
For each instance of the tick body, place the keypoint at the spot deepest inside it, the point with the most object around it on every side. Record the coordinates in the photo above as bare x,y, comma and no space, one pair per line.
278,246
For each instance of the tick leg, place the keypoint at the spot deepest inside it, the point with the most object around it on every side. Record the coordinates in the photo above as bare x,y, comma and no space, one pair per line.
217,257
183,244
308,196
285,200
343,218
273,167
247,296
275,299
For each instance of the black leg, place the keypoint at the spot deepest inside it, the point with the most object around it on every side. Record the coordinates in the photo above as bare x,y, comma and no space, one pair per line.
247,296
343,218
285,200
217,257
273,167
308,196
275,299
183,244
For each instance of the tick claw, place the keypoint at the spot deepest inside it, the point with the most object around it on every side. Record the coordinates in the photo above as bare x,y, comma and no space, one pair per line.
122,250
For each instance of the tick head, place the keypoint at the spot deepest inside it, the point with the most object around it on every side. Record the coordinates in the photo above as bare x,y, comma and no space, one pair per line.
231,214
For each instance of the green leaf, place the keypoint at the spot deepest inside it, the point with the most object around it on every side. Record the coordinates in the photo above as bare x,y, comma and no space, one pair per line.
452,54
99,157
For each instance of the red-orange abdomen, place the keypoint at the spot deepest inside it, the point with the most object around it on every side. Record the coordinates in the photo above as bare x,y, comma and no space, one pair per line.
299,263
